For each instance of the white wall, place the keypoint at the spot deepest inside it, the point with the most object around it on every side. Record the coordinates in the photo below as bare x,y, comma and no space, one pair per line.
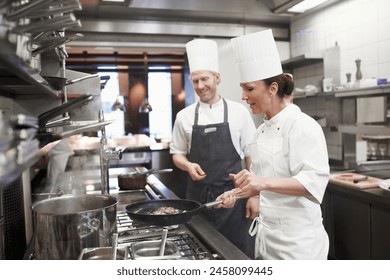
360,27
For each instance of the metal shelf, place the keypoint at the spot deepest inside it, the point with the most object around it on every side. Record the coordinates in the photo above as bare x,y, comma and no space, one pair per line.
303,60
10,176
365,92
318,94
17,78
368,129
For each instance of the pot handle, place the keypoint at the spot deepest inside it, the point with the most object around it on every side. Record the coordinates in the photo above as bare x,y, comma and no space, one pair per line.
86,229
217,202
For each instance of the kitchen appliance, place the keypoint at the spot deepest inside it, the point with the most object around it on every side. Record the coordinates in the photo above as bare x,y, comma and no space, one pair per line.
194,239
181,241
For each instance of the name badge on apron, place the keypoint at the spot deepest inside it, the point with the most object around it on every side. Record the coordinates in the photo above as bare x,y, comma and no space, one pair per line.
210,129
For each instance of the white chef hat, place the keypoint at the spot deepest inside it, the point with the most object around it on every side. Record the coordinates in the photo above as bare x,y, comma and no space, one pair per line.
202,55
257,56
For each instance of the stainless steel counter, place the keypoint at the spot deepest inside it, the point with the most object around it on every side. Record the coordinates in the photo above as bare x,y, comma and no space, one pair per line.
210,239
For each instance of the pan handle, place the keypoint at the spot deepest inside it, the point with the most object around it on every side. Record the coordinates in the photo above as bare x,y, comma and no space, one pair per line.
217,202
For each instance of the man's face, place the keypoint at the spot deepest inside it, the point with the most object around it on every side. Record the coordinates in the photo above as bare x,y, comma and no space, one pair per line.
205,84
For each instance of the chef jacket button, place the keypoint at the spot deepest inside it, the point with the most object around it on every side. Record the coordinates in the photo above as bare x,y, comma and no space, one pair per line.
278,128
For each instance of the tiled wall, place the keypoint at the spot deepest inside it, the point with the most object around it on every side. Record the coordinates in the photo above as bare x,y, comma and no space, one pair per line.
361,29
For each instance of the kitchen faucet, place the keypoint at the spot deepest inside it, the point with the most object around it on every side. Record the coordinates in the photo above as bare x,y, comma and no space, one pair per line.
106,154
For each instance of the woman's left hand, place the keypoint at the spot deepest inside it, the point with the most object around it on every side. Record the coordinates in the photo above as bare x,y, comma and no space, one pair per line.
252,207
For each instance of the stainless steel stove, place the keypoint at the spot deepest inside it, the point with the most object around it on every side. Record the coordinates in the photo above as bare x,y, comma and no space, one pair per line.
195,240
188,245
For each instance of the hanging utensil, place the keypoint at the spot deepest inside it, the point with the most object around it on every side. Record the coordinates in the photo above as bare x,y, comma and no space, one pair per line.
58,83
55,23
47,137
54,42
85,128
21,11
66,107
64,7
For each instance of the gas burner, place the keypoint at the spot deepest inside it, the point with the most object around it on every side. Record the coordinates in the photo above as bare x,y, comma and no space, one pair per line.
130,232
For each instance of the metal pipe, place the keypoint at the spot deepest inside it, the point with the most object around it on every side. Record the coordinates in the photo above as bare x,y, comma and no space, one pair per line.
106,154
105,188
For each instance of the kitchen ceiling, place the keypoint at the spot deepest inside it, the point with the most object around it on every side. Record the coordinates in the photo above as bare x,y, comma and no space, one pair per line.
168,24
128,30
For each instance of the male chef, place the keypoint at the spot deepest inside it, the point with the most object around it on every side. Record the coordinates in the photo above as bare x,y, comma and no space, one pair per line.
210,140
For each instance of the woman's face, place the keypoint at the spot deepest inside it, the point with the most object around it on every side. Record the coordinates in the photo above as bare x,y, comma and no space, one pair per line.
258,95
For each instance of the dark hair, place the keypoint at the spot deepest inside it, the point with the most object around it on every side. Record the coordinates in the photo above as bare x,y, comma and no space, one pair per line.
285,82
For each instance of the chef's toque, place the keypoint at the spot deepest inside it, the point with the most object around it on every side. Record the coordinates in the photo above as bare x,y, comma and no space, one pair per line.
202,55
256,56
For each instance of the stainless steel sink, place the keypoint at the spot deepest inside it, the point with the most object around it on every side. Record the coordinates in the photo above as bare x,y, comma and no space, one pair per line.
151,250
102,253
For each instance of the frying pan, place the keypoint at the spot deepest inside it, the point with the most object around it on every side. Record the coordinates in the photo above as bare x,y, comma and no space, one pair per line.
66,107
58,83
143,211
47,137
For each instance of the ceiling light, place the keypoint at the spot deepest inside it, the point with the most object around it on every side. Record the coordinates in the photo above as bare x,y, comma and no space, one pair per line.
305,6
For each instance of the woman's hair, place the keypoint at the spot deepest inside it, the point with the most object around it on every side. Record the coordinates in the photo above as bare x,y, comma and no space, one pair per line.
285,83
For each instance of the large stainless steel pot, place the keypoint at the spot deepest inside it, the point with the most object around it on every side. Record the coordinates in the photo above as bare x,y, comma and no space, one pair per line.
65,225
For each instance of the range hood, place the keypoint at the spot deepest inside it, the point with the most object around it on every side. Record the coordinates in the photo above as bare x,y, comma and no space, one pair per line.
280,6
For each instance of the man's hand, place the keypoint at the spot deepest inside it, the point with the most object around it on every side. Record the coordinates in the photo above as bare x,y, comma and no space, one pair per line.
196,172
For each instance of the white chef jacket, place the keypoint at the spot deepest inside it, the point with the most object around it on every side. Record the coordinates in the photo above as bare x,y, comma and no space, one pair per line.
291,144
242,128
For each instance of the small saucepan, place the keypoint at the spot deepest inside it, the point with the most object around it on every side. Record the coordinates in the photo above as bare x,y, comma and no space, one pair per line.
137,180
183,210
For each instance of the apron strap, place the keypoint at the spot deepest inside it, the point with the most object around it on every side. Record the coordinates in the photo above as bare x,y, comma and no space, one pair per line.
254,226
196,114
225,111
260,242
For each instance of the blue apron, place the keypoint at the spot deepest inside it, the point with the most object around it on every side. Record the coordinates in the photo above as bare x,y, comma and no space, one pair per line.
212,148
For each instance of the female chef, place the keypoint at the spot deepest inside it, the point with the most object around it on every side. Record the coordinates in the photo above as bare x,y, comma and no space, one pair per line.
290,170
